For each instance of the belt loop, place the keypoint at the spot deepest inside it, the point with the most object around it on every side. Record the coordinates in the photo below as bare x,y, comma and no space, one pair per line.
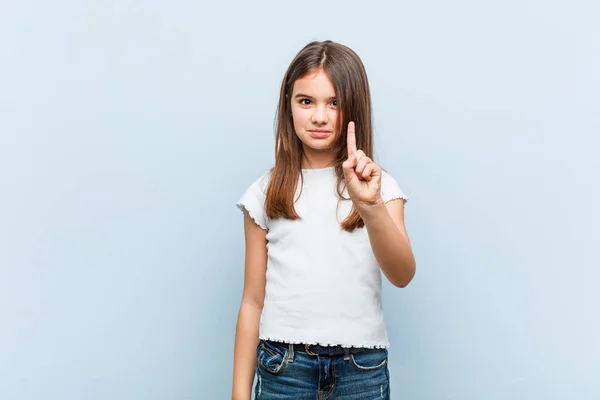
291,353
346,354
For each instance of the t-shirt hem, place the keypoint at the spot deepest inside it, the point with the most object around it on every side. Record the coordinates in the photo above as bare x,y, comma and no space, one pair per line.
357,344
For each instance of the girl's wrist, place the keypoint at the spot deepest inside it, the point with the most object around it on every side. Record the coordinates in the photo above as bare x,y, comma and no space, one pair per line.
368,206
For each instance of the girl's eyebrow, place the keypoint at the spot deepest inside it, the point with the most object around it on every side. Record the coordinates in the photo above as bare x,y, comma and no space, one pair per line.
309,97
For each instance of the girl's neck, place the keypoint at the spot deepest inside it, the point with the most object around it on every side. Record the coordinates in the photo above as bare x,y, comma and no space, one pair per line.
317,159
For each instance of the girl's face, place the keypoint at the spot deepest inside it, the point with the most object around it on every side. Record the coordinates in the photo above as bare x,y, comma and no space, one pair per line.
315,114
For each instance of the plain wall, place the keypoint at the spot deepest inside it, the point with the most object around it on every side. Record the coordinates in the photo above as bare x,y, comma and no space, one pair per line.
129,129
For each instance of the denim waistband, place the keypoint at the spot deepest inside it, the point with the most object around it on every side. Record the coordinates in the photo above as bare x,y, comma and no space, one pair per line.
318,350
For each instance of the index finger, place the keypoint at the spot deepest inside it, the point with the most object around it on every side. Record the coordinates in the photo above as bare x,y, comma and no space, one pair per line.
351,139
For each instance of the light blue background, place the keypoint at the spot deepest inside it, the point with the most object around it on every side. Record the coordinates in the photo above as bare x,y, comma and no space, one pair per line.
129,129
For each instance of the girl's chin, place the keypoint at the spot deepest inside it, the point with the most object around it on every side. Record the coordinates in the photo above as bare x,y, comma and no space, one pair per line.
320,147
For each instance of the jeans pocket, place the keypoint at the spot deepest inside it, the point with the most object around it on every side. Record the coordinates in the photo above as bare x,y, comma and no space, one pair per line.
369,360
270,357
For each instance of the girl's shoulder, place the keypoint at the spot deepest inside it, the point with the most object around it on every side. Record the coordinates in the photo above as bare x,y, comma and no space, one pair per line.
390,188
253,199
261,183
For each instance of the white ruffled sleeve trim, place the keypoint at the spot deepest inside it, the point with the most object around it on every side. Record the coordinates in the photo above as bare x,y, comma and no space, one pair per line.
253,201
390,189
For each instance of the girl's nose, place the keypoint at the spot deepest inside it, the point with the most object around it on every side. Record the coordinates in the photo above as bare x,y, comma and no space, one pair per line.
319,115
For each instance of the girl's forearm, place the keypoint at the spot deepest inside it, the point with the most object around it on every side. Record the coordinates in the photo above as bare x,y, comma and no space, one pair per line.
391,247
246,340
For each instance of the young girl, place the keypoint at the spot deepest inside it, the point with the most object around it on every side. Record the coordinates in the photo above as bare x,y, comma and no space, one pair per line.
320,227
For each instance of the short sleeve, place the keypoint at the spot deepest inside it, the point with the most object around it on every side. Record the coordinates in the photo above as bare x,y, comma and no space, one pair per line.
253,200
390,189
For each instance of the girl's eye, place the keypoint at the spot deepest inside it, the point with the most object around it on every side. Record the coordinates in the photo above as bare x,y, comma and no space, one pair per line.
305,102
334,103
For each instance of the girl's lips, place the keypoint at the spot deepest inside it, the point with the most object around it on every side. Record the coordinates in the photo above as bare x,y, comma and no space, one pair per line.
318,134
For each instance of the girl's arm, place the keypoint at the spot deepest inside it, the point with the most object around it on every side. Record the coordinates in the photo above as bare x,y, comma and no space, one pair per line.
389,240
246,337
384,221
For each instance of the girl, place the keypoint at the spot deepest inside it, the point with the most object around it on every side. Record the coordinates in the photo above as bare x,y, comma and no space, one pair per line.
319,228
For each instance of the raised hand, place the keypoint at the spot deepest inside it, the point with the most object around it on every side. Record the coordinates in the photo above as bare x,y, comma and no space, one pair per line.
363,176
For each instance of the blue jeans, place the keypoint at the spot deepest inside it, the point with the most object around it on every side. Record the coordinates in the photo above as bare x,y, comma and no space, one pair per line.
283,373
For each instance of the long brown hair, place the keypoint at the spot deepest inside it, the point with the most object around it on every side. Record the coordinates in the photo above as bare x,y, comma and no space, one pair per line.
349,79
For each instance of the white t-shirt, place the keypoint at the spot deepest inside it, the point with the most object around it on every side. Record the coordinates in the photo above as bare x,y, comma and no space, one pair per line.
323,284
